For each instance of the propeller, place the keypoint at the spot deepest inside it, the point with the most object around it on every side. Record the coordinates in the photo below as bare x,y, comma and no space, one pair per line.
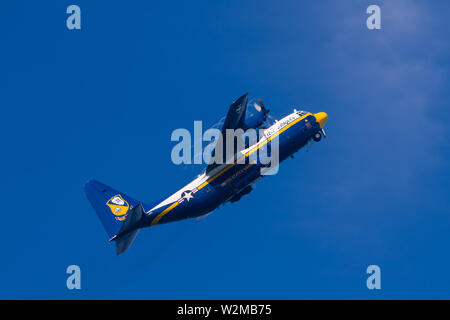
311,140
261,103
309,145
266,111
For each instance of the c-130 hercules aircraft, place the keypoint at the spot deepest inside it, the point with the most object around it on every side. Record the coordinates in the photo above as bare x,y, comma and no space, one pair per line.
123,216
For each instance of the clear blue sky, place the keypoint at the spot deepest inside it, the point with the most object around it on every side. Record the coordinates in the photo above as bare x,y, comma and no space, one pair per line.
102,102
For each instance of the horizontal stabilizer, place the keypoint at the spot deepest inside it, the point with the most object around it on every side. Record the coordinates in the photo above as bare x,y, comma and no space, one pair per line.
124,242
129,229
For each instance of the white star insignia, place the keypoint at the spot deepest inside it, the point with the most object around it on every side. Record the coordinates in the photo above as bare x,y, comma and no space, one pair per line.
188,195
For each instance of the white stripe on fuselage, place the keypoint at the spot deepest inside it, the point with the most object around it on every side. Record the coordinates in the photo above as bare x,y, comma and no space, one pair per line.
177,195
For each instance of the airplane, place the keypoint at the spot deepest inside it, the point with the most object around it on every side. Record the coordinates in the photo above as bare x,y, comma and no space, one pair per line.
122,216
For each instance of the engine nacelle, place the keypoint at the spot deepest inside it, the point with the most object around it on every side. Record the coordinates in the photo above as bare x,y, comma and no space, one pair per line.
255,116
242,193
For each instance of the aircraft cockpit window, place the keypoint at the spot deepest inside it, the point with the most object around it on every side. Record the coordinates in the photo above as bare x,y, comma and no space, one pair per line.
301,112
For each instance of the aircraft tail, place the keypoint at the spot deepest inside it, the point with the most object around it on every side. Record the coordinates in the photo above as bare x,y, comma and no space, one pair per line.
118,213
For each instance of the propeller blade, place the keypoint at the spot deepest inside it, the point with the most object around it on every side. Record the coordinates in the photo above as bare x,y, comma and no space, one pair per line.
261,103
309,145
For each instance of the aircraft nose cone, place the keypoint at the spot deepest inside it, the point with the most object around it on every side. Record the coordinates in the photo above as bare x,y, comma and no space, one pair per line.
321,118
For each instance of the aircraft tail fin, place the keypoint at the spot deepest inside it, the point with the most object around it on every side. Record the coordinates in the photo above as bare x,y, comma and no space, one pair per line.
118,213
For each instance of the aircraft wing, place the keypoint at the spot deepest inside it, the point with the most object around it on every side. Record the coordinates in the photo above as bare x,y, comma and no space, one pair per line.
234,120
235,114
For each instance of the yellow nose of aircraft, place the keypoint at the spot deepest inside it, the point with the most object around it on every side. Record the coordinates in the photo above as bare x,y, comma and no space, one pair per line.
321,118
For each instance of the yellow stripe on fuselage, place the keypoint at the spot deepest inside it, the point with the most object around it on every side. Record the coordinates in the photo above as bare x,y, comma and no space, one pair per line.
156,220
276,134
